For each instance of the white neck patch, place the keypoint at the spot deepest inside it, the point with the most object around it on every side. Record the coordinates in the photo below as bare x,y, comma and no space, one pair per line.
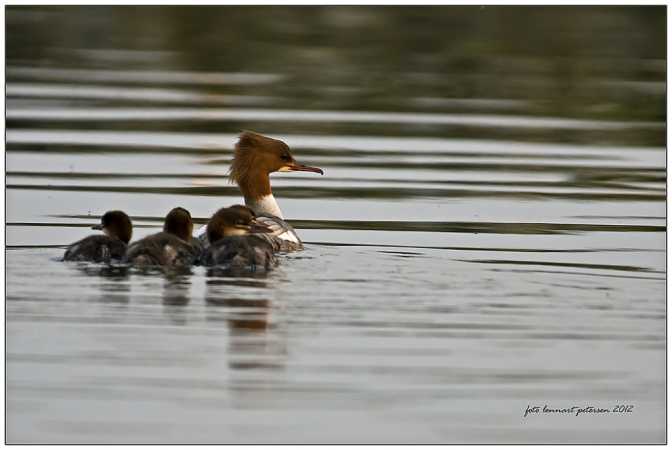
266,205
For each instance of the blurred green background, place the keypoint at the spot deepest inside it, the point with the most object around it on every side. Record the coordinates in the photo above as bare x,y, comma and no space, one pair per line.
578,62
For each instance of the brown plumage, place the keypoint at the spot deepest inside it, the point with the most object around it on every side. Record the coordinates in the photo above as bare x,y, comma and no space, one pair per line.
255,158
178,222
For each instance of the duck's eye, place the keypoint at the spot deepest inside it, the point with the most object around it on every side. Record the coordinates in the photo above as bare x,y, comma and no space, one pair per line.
286,157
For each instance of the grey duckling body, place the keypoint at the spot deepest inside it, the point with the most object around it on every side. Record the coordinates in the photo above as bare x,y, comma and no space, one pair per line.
172,247
104,248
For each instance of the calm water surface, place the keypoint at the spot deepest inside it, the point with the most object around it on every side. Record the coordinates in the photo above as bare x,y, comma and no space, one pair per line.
468,254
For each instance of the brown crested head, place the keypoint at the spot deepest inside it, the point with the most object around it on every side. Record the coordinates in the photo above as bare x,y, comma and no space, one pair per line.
116,224
255,158
178,222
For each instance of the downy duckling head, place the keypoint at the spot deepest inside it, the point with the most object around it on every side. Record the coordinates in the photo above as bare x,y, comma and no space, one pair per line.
237,220
178,222
116,224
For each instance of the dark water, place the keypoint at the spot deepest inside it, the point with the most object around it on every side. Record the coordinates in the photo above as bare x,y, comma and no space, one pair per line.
489,233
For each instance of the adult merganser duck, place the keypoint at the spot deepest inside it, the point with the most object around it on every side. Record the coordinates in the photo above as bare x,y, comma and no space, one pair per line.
172,247
117,229
255,158
237,240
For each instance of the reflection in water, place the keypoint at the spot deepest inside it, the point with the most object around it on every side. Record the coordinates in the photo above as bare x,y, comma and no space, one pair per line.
176,286
112,272
245,315
114,285
236,276
243,305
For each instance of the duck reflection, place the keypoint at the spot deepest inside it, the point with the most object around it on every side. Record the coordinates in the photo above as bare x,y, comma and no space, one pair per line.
114,283
112,272
243,304
176,287
246,315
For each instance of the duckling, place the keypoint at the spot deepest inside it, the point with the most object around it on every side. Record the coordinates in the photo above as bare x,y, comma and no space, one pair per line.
232,233
171,247
111,245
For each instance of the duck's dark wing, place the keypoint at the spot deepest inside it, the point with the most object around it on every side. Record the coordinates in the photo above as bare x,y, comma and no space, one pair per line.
244,252
162,249
97,248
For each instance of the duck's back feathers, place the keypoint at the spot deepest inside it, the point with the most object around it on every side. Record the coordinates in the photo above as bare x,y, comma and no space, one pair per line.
243,252
162,249
97,248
